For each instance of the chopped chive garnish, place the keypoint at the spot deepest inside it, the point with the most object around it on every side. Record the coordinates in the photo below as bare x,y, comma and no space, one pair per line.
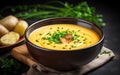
37,40
44,38
63,48
65,45
40,34
58,27
78,30
48,43
90,42
50,28
48,33
97,56
43,42
54,46
73,31
105,52
75,42
55,36
84,39
73,46
58,30
83,33
84,42
81,36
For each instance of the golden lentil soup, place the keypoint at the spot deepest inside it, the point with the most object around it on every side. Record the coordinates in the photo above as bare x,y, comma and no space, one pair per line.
63,37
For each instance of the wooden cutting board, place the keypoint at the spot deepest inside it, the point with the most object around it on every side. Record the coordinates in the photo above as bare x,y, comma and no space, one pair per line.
21,53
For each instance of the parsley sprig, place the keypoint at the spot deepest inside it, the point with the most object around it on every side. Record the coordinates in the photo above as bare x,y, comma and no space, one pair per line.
41,11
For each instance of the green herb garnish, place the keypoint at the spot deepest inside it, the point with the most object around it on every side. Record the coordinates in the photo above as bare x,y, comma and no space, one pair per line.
63,48
42,11
10,66
104,52
37,40
55,37
54,46
40,34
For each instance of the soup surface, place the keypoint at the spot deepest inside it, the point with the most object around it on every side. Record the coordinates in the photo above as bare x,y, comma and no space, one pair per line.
63,37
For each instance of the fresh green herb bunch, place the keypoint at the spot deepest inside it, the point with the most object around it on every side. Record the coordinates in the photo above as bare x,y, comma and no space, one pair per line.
40,11
9,67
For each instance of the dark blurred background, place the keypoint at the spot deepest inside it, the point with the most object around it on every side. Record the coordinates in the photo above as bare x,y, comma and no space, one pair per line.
112,4
110,11
109,5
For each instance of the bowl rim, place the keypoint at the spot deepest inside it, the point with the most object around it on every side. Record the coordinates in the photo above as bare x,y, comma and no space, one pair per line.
47,49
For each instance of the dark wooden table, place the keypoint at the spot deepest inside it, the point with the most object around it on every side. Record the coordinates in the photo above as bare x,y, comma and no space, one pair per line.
109,9
112,35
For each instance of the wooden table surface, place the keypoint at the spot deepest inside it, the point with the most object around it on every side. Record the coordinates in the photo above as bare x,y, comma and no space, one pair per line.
109,9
